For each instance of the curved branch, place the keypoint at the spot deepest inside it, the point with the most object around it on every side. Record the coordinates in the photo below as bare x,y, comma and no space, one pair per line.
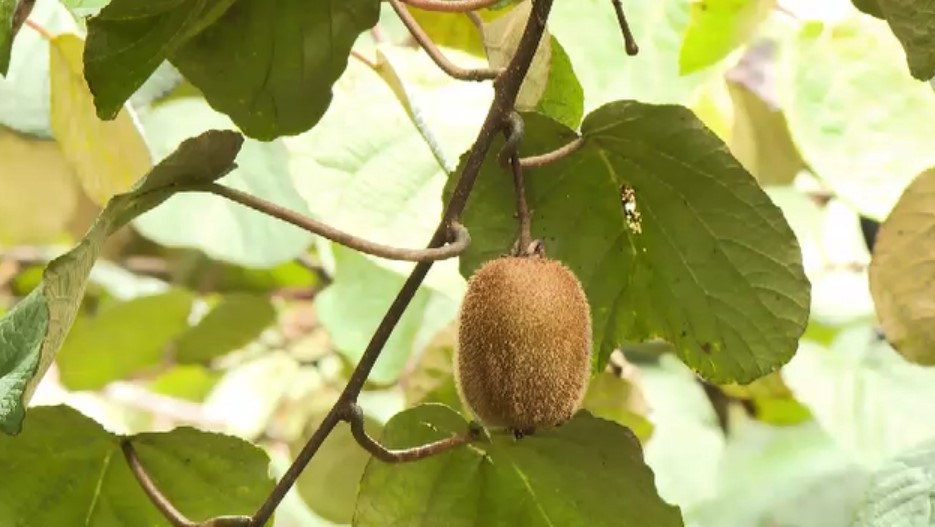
458,238
355,416
176,518
558,154
451,6
457,72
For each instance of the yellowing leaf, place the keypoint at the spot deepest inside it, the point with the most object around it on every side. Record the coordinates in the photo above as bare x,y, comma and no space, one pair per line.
108,156
34,176
501,38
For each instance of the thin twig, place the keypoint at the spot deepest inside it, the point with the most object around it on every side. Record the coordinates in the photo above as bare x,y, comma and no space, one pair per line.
628,40
38,29
506,87
176,518
451,6
457,72
355,416
554,156
459,238
478,23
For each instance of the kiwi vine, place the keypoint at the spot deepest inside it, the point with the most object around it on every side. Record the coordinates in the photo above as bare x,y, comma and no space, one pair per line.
449,240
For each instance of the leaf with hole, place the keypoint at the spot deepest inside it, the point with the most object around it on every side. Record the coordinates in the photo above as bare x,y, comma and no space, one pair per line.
586,472
32,332
65,469
701,257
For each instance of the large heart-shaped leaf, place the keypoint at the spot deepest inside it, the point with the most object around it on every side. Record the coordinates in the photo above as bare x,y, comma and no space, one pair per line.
32,332
701,257
65,469
588,472
269,65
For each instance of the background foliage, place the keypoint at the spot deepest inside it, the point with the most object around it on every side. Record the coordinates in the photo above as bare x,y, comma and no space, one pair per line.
763,356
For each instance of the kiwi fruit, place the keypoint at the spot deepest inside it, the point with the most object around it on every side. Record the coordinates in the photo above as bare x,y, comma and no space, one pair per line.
524,343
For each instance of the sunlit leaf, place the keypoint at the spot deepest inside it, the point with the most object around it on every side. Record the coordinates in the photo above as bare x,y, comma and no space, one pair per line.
590,34
587,472
31,334
871,401
108,156
856,116
366,169
902,278
900,493
717,27
87,480
35,177
710,264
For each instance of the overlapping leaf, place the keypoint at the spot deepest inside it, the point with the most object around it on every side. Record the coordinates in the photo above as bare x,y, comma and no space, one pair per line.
717,27
65,469
587,472
270,66
107,156
913,23
32,332
710,264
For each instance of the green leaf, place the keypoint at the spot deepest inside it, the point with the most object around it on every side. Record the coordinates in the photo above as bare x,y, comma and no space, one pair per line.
869,399
7,8
234,233
270,66
129,39
107,156
717,27
189,382
563,98
870,7
52,306
65,469
902,279
715,270
858,119
900,493
588,472
913,23
234,322
590,34
231,52
122,339
351,308
329,484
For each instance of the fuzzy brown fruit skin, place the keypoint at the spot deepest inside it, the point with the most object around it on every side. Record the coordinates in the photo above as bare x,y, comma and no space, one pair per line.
524,343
